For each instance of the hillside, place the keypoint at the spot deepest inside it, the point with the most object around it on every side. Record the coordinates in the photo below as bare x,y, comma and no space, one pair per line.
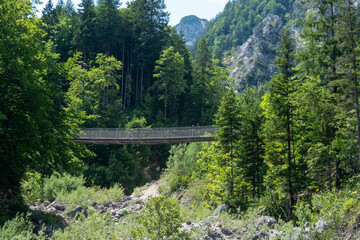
245,36
192,28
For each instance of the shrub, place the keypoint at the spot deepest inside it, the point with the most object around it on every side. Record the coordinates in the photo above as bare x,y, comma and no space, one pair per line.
275,205
181,165
32,187
116,193
161,218
96,226
64,184
19,227
303,212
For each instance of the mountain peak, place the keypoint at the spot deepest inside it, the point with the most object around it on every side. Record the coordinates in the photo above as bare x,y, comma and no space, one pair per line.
192,27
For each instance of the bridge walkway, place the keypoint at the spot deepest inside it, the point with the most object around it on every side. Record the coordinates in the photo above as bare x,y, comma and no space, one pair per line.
147,135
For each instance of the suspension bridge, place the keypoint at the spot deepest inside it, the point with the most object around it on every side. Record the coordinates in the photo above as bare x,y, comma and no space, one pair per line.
147,135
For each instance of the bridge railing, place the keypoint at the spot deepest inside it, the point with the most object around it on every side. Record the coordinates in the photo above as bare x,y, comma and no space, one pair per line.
147,133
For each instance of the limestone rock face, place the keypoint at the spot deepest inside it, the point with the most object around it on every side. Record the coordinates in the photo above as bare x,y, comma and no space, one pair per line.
253,63
192,27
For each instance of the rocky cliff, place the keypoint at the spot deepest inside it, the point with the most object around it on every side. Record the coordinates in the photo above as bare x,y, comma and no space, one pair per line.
192,27
253,63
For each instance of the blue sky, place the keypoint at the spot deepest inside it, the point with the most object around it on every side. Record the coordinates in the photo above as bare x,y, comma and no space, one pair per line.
177,8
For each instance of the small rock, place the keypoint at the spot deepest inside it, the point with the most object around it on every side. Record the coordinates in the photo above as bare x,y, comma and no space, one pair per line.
265,220
220,209
58,206
218,225
275,233
262,234
77,210
112,213
321,225
126,198
138,201
188,222
46,203
125,205
226,232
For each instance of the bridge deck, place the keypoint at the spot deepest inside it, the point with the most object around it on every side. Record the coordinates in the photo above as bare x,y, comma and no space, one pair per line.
147,135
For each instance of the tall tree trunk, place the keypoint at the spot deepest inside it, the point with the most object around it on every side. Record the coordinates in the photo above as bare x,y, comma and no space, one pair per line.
123,74
141,84
353,72
231,162
289,159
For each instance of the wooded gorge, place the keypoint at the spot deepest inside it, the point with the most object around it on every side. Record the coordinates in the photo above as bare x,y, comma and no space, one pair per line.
289,149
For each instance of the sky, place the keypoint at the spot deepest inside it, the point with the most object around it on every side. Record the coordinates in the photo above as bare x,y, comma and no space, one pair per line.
178,9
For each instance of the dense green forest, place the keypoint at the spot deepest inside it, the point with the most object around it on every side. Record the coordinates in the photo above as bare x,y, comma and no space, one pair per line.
290,148
96,66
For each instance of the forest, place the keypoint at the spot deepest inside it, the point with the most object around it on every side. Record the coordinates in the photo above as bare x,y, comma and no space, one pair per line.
289,149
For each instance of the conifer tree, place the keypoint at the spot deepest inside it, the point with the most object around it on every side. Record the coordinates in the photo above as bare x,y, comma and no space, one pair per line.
250,143
228,122
85,36
348,35
202,75
279,125
169,73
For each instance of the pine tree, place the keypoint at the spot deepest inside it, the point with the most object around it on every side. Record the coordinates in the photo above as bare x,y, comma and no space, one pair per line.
169,73
250,143
348,35
202,66
279,125
228,122
85,36
108,22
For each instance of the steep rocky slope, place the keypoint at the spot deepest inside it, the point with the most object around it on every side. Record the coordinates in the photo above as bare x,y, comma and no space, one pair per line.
252,64
192,27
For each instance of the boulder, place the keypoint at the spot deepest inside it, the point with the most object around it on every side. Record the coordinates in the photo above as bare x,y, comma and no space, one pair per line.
321,226
220,209
265,221
77,210
58,206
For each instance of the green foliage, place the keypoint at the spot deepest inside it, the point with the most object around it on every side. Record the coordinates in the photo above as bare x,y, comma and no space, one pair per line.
235,24
36,131
208,84
95,226
32,187
276,205
169,72
20,228
181,165
279,129
161,218
64,184
116,193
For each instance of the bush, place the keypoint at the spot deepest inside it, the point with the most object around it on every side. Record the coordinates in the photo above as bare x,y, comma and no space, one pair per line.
32,188
64,184
83,196
116,193
161,218
96,226
19,227
275,205
181,165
